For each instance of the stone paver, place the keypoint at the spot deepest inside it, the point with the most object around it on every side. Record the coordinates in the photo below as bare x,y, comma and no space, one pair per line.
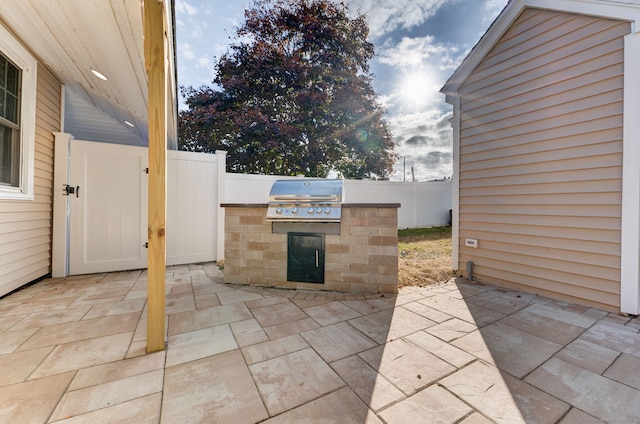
542,326
278,314
626,370
199,344
475,418
331,313
73,350
441,349
427,312
614,336
587,355
451,329
100,396
273,348
576,416
512,350
32,401
407,366
144,410
502,397
341,406
214,389
289,328
337,341
105,373
195,320
375,390
248,332
503,301
293,379
433,403
592,393
83,354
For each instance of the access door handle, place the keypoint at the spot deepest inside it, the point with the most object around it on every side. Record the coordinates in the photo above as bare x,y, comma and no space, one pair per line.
317,260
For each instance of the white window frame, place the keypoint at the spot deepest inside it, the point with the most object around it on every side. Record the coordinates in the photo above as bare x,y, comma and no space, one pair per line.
20,56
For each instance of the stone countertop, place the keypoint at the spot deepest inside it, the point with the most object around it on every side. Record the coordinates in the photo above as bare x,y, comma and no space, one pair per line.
344,205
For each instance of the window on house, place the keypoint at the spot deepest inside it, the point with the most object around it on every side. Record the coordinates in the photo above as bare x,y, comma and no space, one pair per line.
17,118
9,123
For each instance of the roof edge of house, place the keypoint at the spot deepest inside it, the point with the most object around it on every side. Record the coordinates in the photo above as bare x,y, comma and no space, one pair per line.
628,10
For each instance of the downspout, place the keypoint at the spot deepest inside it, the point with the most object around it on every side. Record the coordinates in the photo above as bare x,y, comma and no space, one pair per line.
455,184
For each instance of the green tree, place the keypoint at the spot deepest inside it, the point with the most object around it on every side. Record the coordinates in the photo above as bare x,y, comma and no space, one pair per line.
293,96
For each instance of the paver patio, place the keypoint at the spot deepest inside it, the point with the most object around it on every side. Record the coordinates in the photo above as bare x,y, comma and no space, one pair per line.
73,350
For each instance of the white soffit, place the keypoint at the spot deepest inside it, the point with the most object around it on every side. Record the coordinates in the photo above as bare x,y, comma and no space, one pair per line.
74,37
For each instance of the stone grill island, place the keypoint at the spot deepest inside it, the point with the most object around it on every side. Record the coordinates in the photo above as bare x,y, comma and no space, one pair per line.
357,254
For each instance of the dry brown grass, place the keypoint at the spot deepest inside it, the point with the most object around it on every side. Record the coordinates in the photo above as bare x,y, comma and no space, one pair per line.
424,256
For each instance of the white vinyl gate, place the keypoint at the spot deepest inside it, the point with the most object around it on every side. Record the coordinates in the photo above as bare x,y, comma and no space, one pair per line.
101,224
108,209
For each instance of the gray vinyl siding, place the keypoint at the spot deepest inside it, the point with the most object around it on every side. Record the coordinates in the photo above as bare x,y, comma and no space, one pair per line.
541,158
25,226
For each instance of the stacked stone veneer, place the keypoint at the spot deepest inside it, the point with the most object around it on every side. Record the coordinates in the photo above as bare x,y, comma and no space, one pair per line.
363,258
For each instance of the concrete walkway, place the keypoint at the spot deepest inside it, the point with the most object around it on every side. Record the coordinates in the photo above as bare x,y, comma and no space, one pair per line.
72,350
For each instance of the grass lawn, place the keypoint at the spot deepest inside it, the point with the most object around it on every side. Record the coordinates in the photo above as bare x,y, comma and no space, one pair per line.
424,256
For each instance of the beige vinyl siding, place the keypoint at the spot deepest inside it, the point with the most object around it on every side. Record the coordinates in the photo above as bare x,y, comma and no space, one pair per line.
541,158
25,226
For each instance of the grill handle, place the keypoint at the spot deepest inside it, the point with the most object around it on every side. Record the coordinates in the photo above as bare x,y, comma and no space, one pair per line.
305,197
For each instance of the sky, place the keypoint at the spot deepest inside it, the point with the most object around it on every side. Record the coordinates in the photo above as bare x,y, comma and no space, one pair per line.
418,45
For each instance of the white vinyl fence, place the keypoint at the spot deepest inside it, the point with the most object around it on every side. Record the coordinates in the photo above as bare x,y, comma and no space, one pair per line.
196,186
423,204
193,214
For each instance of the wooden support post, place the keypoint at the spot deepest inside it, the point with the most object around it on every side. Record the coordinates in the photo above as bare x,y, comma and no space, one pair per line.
155,65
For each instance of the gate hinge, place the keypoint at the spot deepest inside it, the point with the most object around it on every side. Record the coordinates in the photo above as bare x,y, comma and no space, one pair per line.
146,170
146,245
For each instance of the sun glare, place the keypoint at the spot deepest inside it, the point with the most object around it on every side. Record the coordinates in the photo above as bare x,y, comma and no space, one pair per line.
417,89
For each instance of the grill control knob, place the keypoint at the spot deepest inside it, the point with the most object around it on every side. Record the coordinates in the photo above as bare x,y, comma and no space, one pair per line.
294,210
327,210
318,210
310,211
279,210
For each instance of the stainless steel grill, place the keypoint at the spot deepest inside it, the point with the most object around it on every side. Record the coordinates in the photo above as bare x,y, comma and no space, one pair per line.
305,201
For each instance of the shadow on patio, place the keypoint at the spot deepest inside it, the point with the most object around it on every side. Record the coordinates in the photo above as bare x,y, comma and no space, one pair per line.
72,350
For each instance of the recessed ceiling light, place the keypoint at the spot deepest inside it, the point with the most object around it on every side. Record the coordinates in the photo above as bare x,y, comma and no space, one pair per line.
99,75
129,123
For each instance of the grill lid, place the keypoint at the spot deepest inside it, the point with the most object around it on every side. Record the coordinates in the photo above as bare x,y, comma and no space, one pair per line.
305,200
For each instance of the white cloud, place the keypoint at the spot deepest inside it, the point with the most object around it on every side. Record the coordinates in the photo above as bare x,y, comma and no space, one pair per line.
495,6
423,142
186,51
418,51
204,62
184,7
388,15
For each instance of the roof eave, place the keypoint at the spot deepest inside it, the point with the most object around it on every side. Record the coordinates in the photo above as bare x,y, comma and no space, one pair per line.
608,9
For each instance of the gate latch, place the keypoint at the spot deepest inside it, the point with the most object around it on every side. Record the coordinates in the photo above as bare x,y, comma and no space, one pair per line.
67,189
